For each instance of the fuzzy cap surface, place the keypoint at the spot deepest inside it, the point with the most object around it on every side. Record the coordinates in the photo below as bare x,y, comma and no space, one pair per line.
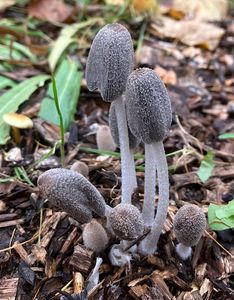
110,61
148,106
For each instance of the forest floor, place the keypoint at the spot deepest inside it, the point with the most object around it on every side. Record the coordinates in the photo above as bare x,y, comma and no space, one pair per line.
41,247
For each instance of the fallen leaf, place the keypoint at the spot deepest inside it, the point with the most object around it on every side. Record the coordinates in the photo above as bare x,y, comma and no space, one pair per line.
52,11
214,10
190,32
167,76
6,3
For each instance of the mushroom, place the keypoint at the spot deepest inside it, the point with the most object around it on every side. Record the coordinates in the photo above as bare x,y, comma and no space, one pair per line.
73,193
104,139
127,224
17,121
109,63
189,225
80,167
149,117
95,237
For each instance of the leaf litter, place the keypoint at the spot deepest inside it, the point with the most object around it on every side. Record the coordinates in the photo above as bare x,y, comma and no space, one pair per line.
41,249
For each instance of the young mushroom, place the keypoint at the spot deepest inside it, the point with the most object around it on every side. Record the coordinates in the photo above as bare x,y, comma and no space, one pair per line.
149,117
110,61
95,237
189,225
127,224
104,139
73,193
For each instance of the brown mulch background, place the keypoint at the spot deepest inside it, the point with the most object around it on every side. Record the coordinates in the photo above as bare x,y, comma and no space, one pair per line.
50,252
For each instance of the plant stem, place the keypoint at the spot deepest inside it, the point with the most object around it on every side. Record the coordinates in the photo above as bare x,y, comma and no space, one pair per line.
150,182
149,244
128,173
60,120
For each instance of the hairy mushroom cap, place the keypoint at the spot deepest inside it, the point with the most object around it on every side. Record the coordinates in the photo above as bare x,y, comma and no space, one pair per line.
189,224
104,139
133,141
95,237
72,192
110,61
126,221
148,106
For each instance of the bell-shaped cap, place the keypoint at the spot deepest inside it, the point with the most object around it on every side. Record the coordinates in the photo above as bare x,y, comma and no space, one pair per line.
133,141
148,106
95,237
110,61
189,224
126,222
71,192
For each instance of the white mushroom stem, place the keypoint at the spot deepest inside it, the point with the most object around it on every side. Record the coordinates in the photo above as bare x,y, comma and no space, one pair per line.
128,173
150,180
94,277
149,244
183,251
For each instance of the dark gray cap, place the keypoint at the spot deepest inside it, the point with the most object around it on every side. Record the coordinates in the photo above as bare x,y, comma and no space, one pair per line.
133,141
110,61
189,224
126,221
148,106
71,192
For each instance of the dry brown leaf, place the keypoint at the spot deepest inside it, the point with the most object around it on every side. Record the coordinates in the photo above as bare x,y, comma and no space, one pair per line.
200,9
6,3
52,11
191,33
167,76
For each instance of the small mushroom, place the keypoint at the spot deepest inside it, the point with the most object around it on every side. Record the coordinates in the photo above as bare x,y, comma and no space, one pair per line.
73,193
95,237
104,139
110,61
189,225
149,117
127,224
17,121
80,167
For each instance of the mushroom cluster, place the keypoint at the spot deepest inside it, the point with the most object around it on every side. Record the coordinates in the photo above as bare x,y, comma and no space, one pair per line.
140,111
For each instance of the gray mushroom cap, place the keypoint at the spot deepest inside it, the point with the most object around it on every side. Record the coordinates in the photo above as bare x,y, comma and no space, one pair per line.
95,236
71,192
148,106
133,141
189,224
126,222
110,61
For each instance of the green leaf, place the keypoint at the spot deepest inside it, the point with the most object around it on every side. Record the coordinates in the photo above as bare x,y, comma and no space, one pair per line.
221,217
225,136
6,82
65,39
68,81
7,53
10,101
206,167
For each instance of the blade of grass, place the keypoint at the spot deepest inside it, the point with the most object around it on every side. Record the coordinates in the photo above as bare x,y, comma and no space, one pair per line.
60,120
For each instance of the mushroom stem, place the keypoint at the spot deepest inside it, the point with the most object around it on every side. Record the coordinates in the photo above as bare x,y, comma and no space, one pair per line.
128,173
183,251
148,211
149,244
